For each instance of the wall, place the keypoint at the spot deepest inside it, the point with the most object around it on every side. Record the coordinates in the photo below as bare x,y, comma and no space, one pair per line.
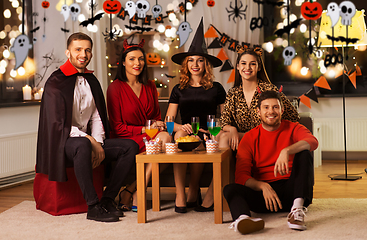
330,111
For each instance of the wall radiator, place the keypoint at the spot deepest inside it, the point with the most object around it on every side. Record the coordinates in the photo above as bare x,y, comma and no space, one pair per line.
17,157
332,134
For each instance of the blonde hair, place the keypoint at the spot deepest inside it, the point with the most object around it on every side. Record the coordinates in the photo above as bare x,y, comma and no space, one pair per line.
207,79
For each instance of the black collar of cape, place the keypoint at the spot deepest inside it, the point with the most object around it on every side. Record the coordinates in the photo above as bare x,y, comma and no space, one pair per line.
55,119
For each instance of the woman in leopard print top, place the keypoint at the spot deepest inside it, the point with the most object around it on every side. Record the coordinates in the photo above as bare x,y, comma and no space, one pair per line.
240,113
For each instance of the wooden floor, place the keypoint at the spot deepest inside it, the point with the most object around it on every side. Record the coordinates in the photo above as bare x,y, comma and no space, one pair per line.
324,187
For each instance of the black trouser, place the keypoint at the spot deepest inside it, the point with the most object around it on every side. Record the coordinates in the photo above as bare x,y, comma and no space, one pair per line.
242,199
79,151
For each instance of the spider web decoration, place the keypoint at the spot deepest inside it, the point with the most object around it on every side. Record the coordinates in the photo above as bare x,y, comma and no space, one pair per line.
236,11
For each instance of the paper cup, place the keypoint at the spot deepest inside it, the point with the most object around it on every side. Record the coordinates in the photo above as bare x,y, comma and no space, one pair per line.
159,146
212,146
171,147
151,148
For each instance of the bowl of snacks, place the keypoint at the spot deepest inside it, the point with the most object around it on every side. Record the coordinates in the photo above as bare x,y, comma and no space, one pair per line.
188,143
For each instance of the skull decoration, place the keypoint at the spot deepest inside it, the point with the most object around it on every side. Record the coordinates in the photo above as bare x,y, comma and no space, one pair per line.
347,11
156,10
142,7
74,11
288,54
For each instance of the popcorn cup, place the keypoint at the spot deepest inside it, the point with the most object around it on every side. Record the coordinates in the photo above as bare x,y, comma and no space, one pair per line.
212,146
151,148
171,147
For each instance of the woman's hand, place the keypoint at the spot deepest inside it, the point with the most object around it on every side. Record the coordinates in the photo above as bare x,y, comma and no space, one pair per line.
160,125
233,138
187,128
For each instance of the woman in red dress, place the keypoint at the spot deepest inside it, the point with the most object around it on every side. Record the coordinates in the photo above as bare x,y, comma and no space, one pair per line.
132,99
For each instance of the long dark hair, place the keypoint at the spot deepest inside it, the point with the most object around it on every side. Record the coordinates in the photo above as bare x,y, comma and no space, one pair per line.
261,75
121,71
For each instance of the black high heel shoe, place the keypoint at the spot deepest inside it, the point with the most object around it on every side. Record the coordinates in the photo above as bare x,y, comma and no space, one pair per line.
197,203
180,209
121,206
204,209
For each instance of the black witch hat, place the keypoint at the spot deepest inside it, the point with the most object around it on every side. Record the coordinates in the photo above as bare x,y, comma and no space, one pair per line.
197,48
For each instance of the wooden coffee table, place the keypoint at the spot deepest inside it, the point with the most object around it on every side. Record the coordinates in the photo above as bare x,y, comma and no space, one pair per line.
221,169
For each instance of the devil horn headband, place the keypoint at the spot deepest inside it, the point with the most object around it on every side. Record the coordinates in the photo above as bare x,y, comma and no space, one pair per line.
127,46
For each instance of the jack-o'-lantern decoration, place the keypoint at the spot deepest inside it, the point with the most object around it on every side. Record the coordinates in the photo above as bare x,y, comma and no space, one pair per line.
311,10
111,7
210,3
45,4
153,59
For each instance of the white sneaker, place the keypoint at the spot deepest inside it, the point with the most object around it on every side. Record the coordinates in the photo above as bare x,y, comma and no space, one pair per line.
245,224
296,219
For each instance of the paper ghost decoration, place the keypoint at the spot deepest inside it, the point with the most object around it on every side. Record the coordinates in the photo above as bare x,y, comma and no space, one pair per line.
142,7
333,13
183,32
65,12
20,49
156,10
130,7
74,11
288,54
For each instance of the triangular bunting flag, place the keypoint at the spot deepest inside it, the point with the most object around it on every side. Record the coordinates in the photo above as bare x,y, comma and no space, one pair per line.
305,100
215,44
232,76
226,66
353,79
322,83
211,33
338,74
222,55
311,94
358,70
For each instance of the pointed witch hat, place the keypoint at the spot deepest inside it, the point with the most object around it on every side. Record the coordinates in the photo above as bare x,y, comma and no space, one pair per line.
197,48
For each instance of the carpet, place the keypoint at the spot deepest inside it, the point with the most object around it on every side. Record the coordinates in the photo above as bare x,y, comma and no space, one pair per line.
326,219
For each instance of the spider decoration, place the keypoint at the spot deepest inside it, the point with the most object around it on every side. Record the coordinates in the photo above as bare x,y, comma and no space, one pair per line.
236,11
112,35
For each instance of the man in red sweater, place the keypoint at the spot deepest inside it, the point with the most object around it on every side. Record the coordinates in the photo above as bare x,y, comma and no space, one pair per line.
274,169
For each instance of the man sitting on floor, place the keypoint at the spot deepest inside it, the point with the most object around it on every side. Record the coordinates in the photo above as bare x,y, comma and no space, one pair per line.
274,169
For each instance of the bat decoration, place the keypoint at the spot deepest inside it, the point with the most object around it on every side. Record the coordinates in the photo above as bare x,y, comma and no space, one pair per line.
35,29
278,4
287,29
65,30
342,39
169,76
236,11
141,29
91,20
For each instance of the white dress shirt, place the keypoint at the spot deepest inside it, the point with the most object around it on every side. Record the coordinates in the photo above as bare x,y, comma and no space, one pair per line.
85,111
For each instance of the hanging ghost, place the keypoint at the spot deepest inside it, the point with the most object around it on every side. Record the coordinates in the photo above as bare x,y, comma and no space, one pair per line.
74,11
333,13
183,32
142,7
65,12
20,49
130,7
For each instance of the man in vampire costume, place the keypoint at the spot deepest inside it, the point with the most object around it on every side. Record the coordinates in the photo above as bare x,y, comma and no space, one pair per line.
73,131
